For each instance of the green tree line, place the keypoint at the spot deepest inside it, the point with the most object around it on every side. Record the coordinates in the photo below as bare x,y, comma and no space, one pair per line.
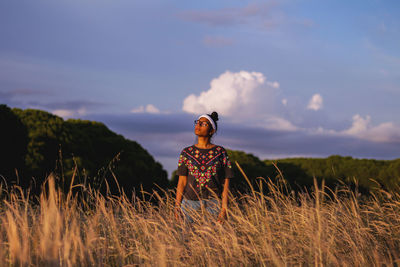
299,173
365,174
36,143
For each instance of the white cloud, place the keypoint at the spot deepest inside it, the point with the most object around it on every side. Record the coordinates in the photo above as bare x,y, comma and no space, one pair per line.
362,128
234,94
250,99
359,125
146,109
273,84
138,110
242,97
69,113
384,132
152,109
316,102
278,123
64,113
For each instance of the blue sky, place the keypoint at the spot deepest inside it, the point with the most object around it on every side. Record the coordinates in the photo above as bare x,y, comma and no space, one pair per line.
289,78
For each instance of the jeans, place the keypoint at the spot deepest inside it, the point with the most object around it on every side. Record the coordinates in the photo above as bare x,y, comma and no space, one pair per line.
210,205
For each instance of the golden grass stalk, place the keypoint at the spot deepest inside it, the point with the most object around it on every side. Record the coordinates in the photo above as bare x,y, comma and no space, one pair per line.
263,229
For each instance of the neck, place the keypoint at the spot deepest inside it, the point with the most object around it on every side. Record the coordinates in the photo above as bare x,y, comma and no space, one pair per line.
203,142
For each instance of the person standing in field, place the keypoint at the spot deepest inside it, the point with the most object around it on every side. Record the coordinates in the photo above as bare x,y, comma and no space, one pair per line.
204,172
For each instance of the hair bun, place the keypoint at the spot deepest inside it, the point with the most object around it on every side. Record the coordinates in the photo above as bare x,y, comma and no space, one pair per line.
214,116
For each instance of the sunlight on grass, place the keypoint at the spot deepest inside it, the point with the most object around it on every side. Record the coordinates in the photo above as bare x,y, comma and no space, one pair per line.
273,229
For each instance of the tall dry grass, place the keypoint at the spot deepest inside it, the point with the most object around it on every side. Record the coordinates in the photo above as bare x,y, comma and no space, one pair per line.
274,229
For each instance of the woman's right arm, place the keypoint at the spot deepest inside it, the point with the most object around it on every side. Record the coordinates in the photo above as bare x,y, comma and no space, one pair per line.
179,194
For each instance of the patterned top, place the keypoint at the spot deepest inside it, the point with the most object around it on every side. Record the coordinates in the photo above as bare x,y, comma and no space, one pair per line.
206,170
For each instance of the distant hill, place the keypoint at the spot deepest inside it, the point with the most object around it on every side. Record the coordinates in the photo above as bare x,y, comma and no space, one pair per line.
37,143
367,174
299,173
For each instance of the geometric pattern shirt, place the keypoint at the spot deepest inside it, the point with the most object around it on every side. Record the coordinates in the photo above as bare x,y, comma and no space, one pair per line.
206,170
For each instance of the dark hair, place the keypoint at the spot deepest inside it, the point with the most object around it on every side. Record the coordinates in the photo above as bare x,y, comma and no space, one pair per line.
214,117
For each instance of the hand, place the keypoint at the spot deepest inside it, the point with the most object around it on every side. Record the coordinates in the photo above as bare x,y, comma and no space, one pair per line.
222,216
178,213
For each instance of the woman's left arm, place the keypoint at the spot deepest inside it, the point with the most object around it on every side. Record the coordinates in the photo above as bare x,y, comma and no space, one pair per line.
222,214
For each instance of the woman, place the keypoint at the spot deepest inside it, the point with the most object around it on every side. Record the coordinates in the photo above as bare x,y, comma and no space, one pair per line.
204,171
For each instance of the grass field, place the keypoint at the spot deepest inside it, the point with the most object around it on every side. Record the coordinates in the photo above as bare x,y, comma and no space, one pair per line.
319,228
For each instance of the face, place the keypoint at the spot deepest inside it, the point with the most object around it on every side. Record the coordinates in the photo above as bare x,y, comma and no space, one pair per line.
202,128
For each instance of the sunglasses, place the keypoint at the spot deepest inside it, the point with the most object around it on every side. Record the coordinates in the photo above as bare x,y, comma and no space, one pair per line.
201,123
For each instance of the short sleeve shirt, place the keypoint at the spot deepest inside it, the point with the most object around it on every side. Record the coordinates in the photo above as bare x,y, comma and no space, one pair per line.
206,170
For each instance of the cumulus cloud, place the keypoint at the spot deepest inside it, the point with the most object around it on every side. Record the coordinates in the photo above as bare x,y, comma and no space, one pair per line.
152,109
250,99
359,125
316,102
67,105
273,84
384,132
363,129
67,109
63,113
278,123
243,97
70,113
234,94
177,130
140,109
146,109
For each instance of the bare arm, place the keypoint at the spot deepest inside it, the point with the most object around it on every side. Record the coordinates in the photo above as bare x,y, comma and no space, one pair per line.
224,197
179,194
